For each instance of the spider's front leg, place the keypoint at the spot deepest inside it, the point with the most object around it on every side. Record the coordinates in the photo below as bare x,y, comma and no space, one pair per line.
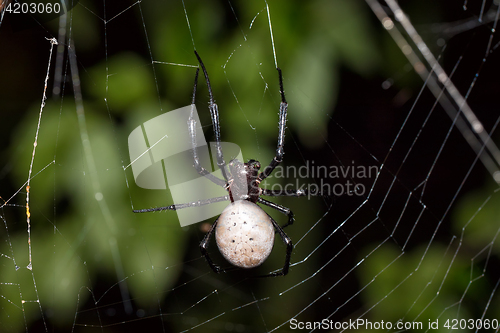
192,133
198,203
281,134
214,114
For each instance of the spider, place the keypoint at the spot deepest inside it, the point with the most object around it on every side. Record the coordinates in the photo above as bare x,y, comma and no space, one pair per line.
244,232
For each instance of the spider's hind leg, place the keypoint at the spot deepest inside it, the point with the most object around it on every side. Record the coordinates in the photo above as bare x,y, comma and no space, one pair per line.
289,248
280,208
204,248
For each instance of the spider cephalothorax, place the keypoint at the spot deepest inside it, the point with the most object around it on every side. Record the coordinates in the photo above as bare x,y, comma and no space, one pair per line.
244,232
244,182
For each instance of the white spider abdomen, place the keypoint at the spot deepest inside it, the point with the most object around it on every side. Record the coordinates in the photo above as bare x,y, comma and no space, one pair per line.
244,234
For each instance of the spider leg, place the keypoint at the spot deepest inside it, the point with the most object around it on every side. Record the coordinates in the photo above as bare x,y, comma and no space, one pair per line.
289,248
201,170
214,113
300,192
280,208
184,205
281,134
204,248
192,132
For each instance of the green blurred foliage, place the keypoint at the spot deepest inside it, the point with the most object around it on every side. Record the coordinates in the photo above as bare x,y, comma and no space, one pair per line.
438,282
417,286
73,238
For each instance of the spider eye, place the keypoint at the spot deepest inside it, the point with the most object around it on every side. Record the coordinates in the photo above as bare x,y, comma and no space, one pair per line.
254,164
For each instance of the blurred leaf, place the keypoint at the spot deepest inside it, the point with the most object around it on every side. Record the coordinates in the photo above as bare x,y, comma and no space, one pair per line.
410,286
124,80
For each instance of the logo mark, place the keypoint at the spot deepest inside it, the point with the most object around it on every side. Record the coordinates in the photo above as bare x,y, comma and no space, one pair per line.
161,153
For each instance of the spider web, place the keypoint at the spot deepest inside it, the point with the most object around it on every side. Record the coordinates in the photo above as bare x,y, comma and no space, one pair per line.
390,109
